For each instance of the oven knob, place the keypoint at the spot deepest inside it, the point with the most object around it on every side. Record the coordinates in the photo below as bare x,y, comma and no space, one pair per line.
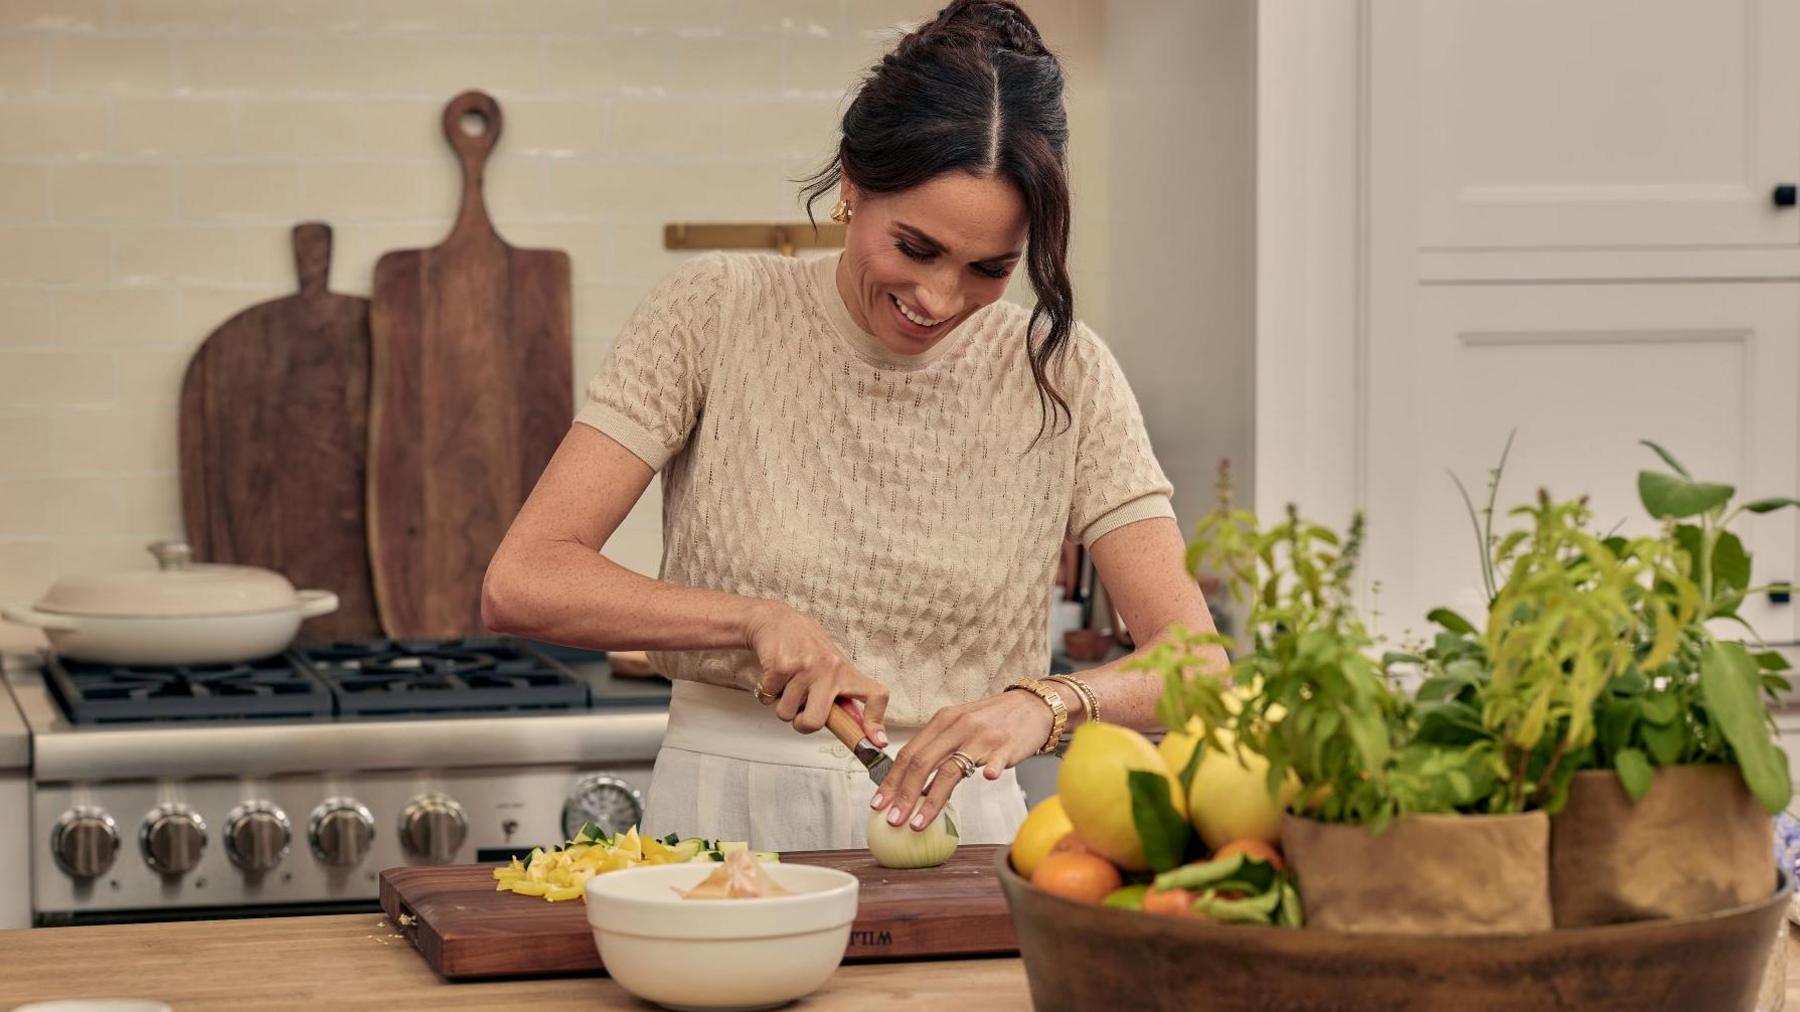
433,827
84,841
257,836
173,837
340,831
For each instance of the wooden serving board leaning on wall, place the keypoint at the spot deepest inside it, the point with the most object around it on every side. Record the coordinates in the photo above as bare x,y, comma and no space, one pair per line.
472,389
273,435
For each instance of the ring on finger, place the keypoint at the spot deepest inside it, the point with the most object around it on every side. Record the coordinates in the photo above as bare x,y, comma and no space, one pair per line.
966,763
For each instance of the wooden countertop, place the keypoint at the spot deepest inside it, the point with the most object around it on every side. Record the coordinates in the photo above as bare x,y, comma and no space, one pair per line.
357,961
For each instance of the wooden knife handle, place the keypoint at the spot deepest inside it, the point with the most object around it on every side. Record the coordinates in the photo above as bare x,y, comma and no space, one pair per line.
845,724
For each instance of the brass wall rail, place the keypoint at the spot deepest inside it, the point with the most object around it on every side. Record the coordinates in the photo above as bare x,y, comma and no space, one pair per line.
783,237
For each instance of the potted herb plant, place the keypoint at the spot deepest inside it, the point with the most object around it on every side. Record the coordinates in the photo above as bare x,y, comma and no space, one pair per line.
1670,815
1391,828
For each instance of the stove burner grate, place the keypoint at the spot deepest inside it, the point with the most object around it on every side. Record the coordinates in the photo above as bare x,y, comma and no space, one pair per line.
271,688
389,678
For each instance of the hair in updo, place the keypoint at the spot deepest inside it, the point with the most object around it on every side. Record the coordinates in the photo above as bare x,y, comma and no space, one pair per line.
975,90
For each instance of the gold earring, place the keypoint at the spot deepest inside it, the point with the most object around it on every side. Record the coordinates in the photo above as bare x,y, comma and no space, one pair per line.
841,212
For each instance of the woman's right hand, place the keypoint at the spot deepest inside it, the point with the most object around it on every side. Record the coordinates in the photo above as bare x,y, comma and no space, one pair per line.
804,673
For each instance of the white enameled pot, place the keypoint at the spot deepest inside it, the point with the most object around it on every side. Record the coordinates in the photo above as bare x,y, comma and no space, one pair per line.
178,613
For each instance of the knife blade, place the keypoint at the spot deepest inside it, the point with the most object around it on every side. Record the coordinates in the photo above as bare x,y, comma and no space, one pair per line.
845,724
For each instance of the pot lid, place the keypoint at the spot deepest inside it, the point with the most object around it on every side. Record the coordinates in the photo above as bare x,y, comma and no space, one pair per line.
178,587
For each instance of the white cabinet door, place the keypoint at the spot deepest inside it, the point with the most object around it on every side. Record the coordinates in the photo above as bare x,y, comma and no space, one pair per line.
1582,372
1583,123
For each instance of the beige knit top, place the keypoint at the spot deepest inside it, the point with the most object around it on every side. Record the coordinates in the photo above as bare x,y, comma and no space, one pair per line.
895,499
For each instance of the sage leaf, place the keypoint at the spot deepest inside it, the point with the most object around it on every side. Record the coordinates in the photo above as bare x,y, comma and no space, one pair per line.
1771,660
1730,563
1661,709
1670,498
1668,458
1666,743
1451,621
1728,688
1634,772
1771,505
1161,829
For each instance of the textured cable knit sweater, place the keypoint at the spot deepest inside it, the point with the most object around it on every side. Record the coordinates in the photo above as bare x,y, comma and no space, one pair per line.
897,500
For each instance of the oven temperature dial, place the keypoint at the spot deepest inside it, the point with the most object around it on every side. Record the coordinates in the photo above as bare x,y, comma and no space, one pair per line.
340,831
433,827
173,837
608,802
85,841
257,835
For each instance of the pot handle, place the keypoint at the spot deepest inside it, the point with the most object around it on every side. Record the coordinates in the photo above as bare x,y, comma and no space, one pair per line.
41,619
314,603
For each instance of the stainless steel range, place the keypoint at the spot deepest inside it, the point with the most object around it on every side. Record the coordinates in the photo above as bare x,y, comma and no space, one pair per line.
287,784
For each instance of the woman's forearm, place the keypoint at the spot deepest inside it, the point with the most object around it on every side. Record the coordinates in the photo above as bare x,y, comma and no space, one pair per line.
565,592
1129,697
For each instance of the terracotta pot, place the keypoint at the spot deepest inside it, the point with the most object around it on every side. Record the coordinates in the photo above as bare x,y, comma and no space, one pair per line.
1087,644
1082,956
1425,874
1697,842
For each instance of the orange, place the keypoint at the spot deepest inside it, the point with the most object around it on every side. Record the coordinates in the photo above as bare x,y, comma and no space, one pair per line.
1252,847
1070,843
1086,877
1169,902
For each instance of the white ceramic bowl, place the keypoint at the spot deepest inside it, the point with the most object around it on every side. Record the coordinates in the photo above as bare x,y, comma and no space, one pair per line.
721,954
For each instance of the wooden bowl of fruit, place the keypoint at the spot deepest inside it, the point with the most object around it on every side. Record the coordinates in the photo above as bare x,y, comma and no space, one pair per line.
1085,955
1226,929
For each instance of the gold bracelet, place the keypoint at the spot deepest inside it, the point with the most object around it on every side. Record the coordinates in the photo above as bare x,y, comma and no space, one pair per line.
1090,702
1059,713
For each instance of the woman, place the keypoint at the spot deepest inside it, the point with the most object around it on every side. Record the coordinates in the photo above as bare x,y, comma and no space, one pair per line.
868,471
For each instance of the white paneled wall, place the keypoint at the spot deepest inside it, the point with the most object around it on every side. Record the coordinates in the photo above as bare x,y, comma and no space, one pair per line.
155,153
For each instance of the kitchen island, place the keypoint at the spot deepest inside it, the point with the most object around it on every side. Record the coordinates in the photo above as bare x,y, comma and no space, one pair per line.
358,961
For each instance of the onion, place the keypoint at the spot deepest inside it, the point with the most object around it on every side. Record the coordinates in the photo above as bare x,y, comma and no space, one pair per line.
903,847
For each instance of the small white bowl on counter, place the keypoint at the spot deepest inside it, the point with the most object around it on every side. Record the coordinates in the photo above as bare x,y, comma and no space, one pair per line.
718,954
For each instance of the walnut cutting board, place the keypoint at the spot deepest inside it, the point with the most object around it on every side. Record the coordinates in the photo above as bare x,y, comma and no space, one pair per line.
465,929
273,433
471,391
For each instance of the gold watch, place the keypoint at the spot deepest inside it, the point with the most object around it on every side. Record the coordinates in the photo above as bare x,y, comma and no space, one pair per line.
1059,713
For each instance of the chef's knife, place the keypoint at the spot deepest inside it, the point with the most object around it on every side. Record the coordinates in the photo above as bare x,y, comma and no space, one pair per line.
846,724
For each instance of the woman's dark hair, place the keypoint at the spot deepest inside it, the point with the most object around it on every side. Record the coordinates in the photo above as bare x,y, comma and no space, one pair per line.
976,91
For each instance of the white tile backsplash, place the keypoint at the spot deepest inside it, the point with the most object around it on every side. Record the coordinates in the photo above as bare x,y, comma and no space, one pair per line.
157,154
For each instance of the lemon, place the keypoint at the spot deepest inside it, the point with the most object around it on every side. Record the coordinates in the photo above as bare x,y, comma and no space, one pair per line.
1094,785
1045,824
1177,747
1229,799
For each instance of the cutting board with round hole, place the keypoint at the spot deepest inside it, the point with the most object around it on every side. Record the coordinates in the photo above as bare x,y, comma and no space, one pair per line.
465,929
471,391
273,436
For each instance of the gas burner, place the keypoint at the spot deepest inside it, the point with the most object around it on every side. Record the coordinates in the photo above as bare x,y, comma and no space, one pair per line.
95,693
390,678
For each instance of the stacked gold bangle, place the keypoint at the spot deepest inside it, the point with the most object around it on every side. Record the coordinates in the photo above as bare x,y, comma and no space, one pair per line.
1059,713
1090,702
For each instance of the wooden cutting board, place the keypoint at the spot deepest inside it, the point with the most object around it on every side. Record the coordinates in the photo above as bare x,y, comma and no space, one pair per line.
273,435
471,391
465,929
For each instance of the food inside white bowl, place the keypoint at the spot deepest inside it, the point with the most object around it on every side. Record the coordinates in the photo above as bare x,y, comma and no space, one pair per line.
728,953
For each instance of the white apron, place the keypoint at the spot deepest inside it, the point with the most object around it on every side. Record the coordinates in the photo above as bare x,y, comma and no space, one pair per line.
729,769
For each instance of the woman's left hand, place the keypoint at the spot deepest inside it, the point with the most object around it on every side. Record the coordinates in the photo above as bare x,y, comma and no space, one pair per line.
997,733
